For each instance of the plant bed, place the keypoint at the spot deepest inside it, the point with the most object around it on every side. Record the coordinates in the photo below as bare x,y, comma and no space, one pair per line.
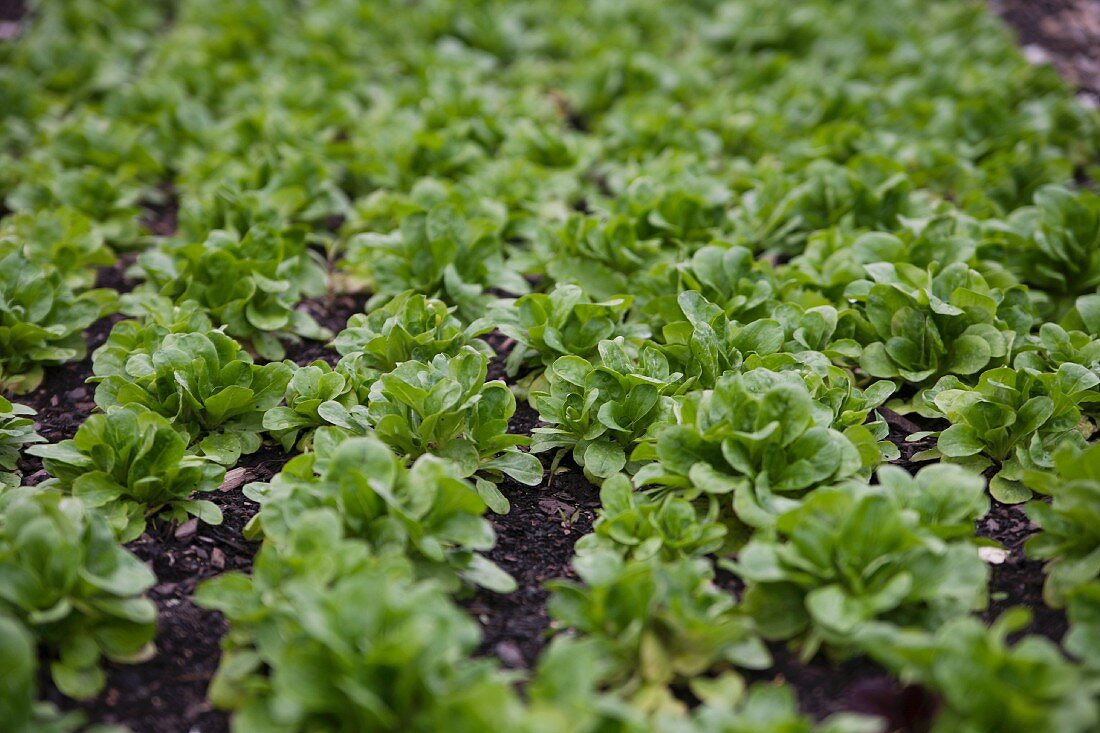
548,367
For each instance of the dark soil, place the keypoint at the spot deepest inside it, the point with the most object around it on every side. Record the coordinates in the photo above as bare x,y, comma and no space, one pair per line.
535,544
1064,32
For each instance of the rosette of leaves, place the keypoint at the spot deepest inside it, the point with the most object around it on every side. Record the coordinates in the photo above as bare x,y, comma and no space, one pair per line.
206,386
141,338
438,251
316,395
701,342
1052,245
1014,418
565,695
72,586
446,408
562,322
63,238
967,664
604,257
16,431
853,407
744,287
1069,536
787,206
657,623
641,525
1054,346
599,411
760,436
897,553
41,320
920,325
410,327
425,511
249,283
132,464
383,650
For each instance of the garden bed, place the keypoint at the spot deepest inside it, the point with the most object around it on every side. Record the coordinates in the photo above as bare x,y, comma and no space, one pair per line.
535,540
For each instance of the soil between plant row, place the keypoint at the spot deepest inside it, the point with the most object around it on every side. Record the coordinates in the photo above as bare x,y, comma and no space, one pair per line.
167,694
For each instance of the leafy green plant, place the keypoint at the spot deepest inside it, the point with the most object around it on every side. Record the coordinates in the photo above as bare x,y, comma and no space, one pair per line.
599,411
206,386
760,436
409,327
423,511
1016,418
445,407
382,651
249,283
16,431
657,622
19,686
1069,536
139,339
921,324
73,587
132,464
61,238
641,525
852,554
41,319
985,683
561,322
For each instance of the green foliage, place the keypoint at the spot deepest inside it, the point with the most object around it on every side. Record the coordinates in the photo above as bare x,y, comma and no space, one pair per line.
1014,417
988,685
206,386
72,586
656,622
326,635
759,435
561,322
132,464
1069,536
642,525
410,327
16,431
920,324
19,685
249,283
851,554
41,319
445,407
424,511
63,238
599,411
139,339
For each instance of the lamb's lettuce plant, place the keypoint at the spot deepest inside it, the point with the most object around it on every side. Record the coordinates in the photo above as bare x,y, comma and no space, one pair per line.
424,512
207,386
641,525
898,552
132,464
758,435
599,411
562,322
409,327
75,589
1069,535
383,650
41,319
967,664
446,408
16,431
1014,417
920,325
249,283
658,622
